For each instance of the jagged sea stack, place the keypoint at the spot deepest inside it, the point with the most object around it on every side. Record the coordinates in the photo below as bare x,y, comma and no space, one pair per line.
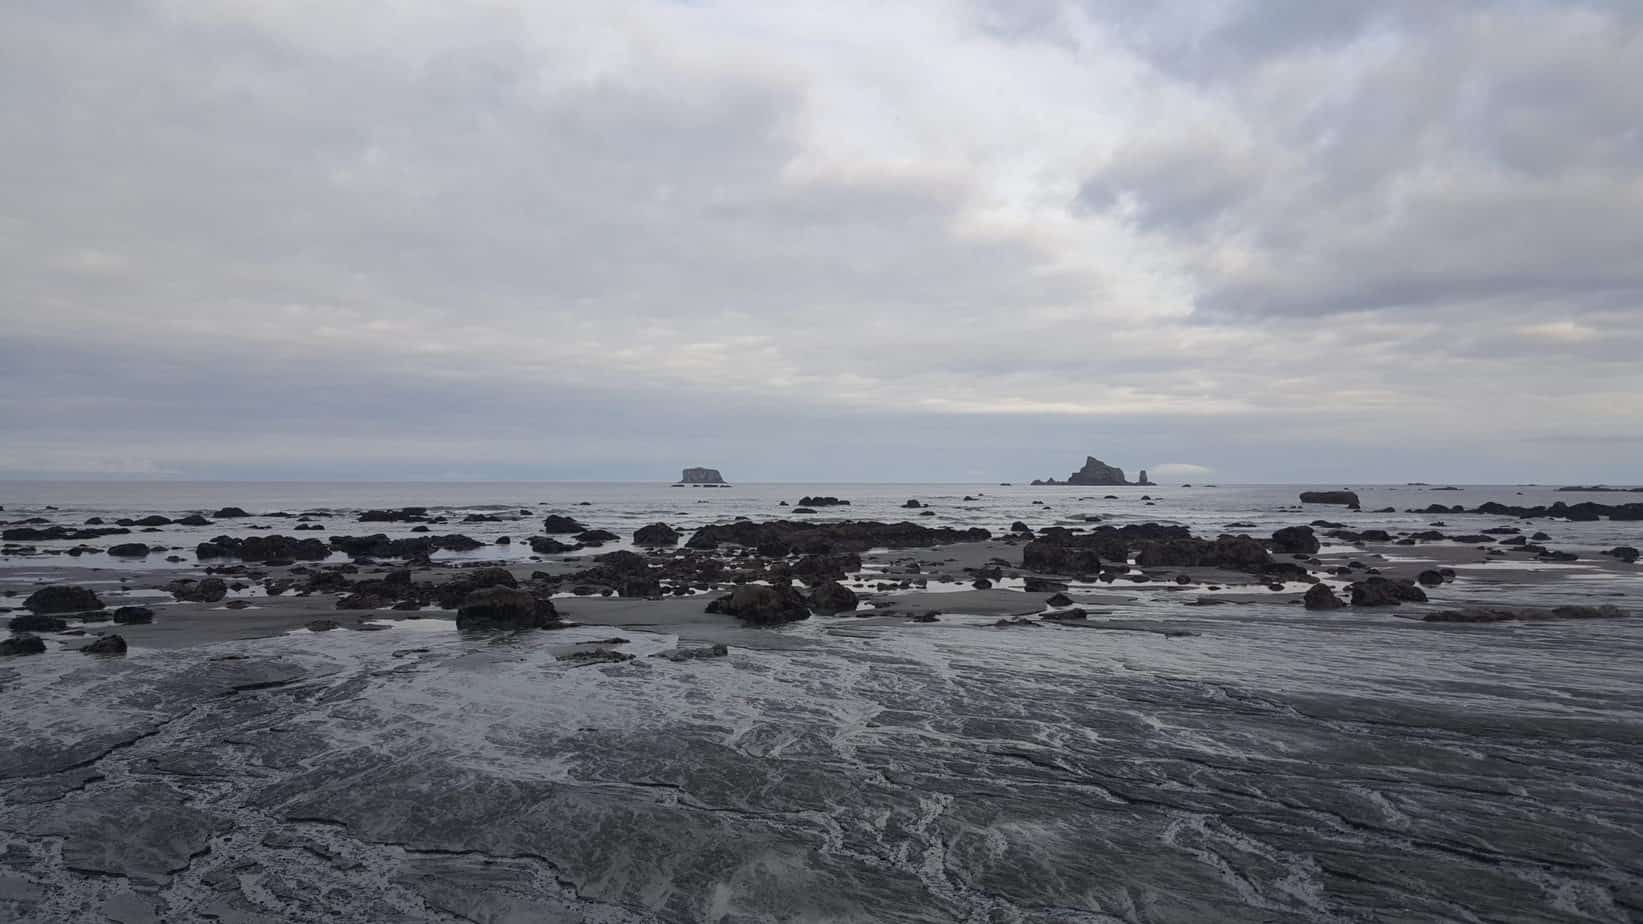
1095,472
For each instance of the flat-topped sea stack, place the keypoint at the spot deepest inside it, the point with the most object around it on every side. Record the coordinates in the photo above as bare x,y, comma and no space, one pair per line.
1097,472
702,478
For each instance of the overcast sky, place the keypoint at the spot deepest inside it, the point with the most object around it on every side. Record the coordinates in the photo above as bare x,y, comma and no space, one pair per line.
1285,240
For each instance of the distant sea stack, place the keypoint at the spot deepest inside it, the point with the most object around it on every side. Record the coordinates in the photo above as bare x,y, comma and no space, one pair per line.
1097,472
702,478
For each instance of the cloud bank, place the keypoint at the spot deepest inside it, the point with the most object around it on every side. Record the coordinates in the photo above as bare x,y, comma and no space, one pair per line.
944,240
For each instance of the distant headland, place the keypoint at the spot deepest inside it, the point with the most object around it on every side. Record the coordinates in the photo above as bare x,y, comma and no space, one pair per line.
1097,472
701,478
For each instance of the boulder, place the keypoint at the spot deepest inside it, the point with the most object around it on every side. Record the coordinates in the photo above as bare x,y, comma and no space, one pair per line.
546,545
133,615
194,519
106,645
1320,597
323,625
1348,498
832,597
22,645
912,505
1051,558
229,513
1378,591
1293,539
655,535
596,536
824,501
62,598
762,605
36,622
556,524
1624,553
207,590
1430,577
504,607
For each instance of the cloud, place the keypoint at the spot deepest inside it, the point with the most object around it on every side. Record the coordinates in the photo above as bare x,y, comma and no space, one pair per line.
569,239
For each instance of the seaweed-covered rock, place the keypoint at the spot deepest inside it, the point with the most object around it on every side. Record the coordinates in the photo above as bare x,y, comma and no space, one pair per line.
62,598
106,645
1320,597
1295,539
36,622
762,605
24,644
655,535
1378,591
133,615
832,597
205,590
502,607
554,523
1052,558
1347,498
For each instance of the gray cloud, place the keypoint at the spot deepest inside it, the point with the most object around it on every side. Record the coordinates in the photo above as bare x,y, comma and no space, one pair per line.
948,240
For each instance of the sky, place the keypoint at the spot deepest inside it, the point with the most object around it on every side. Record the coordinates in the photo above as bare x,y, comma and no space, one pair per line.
932,240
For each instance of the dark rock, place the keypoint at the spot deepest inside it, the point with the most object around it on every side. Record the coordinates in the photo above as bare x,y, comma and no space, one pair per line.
133,615
1320,597
154,520
1059,599
561,525
762,605
62,598
402,515
229,513
106,645
1295,539
1347,498
596,536
827,501
700,476
22,645
1429,578
912,505
504,607
206,590
1377,591
832,597
1094,472
546,545
264,548
323,625
1489,614
194,519
36,622
783,537
1624,553
654,535
1035,585
1052,558
695,654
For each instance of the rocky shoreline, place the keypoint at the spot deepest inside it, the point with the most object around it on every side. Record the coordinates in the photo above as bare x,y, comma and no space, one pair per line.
283,721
